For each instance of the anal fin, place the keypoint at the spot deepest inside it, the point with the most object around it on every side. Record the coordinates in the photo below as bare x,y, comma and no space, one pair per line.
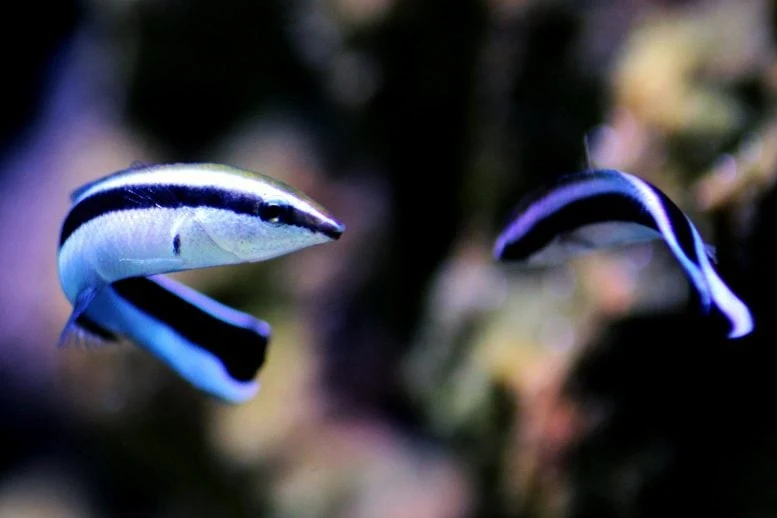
712,252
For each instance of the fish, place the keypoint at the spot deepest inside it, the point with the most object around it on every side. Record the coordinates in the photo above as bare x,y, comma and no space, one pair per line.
595,209
125,231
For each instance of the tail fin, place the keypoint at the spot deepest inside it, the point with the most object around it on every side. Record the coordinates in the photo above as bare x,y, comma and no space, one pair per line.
216,348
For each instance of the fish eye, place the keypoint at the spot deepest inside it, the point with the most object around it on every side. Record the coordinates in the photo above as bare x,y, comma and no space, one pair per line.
271,212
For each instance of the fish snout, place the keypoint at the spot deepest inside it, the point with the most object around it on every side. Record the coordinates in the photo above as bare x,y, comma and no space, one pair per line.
331,228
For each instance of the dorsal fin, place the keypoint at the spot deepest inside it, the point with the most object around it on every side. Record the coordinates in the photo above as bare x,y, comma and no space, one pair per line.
712,252
589,166
77,193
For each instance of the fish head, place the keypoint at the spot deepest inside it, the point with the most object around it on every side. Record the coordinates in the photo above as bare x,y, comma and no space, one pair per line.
277,220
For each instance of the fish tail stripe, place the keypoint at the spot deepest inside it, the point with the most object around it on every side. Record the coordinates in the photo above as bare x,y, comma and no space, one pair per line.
239,345
210,306
674,223
678,232
730,305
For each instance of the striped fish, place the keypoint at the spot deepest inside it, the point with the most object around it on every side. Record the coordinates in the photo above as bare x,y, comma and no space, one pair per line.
126,229
594,209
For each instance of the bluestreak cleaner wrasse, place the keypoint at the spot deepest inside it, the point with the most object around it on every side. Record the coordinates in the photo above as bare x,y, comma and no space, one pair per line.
126,229
594,209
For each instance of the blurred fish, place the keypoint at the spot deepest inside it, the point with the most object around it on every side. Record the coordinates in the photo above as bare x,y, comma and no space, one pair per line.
126,228
590,210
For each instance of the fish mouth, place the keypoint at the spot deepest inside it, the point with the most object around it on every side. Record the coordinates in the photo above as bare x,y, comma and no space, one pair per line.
318,223
332,229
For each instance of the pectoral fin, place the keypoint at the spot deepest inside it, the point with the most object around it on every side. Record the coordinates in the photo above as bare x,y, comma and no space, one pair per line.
80,329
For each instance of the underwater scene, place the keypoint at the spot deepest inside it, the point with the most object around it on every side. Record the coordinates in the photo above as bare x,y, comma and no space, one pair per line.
388,259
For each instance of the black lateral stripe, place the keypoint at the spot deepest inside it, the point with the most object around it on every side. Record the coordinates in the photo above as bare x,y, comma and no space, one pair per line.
175,196
89,325
150,196
599,208
241,350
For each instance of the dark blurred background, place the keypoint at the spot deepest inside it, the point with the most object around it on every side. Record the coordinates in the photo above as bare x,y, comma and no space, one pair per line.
409,375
